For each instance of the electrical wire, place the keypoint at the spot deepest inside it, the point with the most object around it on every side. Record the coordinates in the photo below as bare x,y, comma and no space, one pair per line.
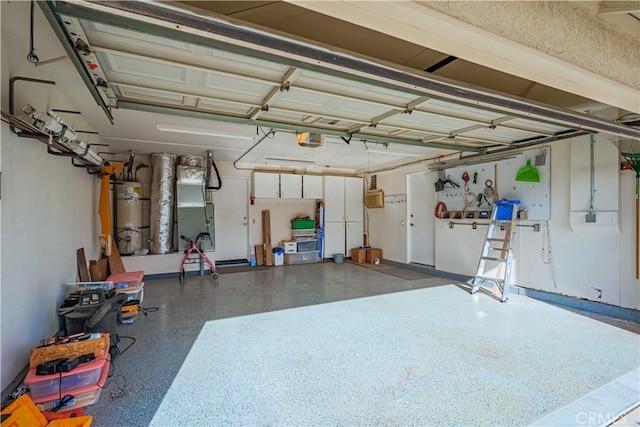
546,251
32,57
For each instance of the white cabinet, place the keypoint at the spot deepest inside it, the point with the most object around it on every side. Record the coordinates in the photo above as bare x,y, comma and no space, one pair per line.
290,186
354,231
266,185
279,186
312,187
334,238
343,215
333,198
353,199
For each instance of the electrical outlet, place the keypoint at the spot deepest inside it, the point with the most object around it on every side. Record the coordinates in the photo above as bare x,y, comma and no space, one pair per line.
536,227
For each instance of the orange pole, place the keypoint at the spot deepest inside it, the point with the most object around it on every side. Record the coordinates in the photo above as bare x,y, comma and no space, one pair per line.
104,204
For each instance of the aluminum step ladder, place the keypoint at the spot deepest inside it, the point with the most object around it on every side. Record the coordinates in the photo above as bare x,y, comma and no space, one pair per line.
494,266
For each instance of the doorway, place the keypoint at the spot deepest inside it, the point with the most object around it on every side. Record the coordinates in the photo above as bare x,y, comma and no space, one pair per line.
420,219
231,219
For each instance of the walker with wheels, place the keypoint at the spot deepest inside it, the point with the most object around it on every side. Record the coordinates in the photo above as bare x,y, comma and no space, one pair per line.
193,247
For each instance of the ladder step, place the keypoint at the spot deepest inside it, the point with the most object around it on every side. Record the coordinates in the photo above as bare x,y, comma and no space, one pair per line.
493,239
489,258
493,279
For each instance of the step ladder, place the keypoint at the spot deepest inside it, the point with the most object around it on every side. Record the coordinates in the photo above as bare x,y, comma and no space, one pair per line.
494,266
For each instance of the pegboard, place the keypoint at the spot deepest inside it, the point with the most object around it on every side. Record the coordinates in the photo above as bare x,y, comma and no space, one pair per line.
535,197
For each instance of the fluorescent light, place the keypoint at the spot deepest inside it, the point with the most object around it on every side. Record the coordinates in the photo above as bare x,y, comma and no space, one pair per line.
395,153
278,161
200,131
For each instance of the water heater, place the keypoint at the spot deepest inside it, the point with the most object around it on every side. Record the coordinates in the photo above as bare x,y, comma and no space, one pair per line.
129,217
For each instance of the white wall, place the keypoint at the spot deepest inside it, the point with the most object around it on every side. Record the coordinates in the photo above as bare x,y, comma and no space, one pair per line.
49,211
596,262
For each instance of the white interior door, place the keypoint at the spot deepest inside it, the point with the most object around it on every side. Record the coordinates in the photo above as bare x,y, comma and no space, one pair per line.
231,219
421,221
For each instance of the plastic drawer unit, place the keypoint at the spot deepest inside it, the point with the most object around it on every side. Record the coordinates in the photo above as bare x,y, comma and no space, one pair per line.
83,396
307,245
85,374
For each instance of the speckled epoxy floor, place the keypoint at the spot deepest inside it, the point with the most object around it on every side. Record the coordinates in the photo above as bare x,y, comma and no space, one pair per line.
414,357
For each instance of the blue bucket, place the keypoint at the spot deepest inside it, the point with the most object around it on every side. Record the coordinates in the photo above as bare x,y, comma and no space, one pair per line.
338,258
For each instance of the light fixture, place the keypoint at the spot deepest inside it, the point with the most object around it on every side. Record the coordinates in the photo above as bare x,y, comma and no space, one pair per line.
200,131
394,153
280,161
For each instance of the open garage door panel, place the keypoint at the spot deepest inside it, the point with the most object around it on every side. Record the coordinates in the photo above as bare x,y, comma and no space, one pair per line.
155,57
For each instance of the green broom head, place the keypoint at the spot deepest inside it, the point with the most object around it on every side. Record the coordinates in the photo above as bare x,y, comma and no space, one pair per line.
630,149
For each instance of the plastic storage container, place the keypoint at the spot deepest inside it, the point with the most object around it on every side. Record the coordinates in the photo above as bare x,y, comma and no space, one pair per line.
505,207
130,279
83,286
289,246
84,421
83,396
307,245
338,258
298,224
83,375
23,413
301,258
133,293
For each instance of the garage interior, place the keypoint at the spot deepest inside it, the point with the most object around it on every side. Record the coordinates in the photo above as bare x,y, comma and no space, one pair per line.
396,128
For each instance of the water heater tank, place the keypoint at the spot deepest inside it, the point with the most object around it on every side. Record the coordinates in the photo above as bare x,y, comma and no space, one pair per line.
129,217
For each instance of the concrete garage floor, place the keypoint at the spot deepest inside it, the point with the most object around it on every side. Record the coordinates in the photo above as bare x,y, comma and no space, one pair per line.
400,358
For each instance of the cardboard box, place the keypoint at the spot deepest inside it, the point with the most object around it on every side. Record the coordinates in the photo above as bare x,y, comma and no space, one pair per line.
99,270
359,255
373,254
259,254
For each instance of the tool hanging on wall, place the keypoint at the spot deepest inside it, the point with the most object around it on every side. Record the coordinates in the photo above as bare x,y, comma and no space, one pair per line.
440,183
475,177
468,199
528,173
630,149
440,210
487,194
465,178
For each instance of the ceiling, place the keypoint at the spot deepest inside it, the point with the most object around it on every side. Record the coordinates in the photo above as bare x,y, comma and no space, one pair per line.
190,91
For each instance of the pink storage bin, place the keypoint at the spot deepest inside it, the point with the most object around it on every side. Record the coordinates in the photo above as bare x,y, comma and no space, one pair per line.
83,396
85,374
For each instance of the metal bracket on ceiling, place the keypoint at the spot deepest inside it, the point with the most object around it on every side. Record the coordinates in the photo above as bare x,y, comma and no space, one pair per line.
49,10
347,140
12,83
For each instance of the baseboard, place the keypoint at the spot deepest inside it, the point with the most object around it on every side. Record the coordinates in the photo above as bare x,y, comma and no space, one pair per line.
615,311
